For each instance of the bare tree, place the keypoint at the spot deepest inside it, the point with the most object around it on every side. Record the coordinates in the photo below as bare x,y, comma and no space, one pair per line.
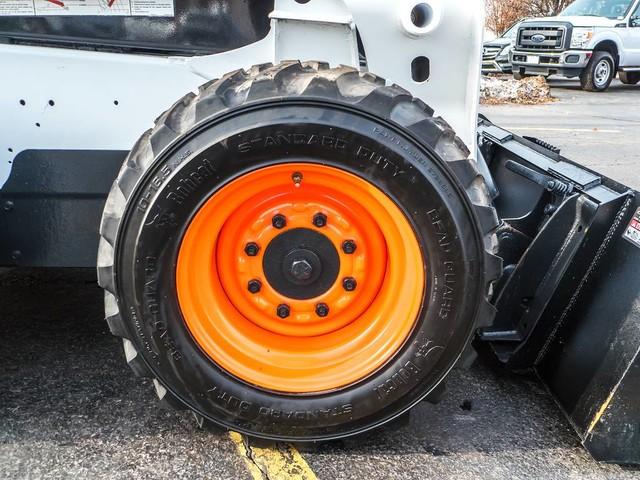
547,7
501,14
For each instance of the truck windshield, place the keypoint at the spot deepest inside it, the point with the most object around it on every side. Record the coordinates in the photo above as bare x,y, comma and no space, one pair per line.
615,9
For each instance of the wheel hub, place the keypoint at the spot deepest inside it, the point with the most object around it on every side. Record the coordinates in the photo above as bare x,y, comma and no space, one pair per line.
301,264
602,72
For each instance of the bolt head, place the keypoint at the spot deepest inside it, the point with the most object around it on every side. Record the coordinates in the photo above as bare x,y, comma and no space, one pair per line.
320,220
349,247
279,221
283,311
297,178
254,286
322,309
251,249
349,284
301,270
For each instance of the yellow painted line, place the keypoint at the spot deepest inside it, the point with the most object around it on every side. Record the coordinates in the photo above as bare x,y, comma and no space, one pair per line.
255,472
278,462
607,402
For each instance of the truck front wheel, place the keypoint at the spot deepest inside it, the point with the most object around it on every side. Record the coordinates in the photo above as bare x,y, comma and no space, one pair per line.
599,72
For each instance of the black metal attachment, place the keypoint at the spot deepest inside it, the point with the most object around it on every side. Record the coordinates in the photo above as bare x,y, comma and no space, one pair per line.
567,304
349,247
322,310
252,249
283,311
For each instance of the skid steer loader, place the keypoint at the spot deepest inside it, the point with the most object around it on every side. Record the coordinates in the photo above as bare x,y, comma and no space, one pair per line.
318,228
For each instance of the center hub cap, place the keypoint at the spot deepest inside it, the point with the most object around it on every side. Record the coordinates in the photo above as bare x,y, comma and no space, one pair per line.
301,264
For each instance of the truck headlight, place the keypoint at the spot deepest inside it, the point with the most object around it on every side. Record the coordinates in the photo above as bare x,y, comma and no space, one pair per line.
581,37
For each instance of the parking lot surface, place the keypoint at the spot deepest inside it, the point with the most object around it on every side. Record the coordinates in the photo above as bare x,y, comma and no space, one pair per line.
71,408
598,130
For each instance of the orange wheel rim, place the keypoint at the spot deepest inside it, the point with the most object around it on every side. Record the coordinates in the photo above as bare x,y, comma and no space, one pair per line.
257,331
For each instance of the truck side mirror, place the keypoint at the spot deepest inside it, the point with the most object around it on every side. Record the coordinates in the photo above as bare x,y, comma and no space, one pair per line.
635,21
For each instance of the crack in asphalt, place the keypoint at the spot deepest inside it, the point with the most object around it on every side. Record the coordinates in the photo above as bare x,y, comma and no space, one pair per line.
251,458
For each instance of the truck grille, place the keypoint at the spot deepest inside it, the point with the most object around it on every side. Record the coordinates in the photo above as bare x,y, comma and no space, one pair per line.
554,37
490,52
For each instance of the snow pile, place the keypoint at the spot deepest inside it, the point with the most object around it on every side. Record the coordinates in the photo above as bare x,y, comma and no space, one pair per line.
529,91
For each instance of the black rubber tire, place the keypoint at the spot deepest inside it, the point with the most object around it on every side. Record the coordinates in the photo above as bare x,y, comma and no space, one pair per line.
629,78
424,164
587,77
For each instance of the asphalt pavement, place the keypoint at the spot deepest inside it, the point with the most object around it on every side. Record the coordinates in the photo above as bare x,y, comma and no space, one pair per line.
598,130
71,408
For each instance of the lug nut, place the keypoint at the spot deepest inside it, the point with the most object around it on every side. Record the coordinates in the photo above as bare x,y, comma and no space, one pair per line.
283,311
279,221
320,220
322,309
349,284
251,249
349,247
254,286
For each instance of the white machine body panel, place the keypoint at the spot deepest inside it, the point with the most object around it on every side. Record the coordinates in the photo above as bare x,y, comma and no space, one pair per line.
66,99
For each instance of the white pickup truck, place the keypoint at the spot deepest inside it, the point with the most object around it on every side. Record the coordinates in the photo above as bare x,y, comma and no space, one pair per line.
590,39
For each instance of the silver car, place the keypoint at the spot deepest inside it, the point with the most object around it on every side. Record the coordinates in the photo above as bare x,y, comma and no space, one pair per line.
495,55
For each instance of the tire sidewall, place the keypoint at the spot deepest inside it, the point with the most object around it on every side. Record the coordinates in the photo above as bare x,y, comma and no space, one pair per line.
217,152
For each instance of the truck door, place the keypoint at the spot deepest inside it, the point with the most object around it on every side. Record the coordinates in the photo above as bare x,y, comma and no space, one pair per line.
632,41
